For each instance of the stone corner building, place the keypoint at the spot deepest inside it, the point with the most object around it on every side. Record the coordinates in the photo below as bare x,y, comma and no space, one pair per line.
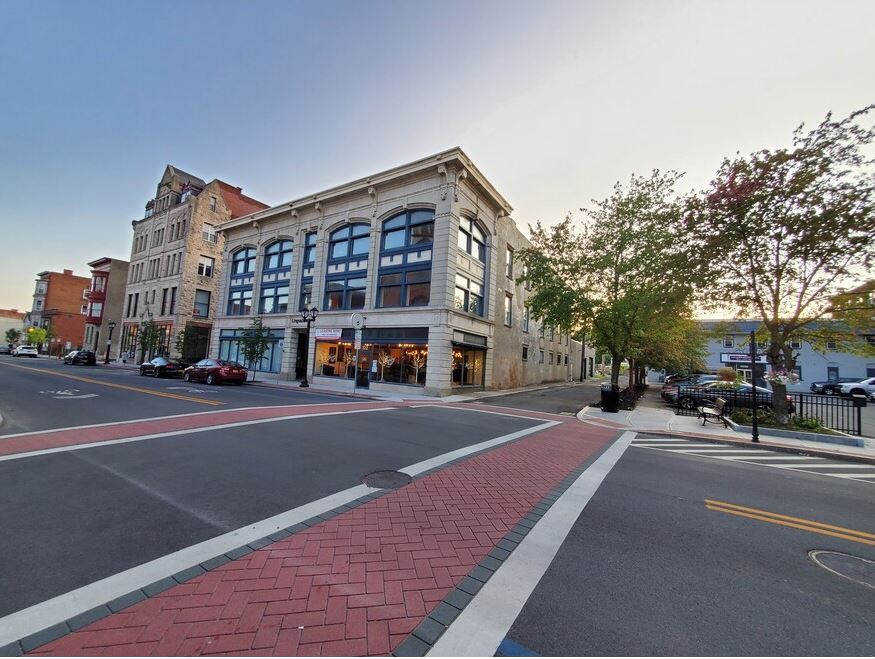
176,258
425,252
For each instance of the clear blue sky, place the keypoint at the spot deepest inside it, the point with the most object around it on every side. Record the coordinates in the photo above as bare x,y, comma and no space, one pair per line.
553,100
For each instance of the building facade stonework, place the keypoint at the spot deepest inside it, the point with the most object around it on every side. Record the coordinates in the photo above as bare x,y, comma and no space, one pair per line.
176,260
419,252
60,301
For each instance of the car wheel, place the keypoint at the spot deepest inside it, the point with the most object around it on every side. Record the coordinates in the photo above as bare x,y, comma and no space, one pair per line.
142,371
858,392
210,379
688,403
156,373
186,377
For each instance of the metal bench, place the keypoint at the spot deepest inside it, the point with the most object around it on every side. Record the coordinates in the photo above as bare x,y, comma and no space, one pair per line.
714,414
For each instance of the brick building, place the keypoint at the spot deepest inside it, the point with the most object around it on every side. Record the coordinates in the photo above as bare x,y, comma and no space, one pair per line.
176,258
59,304
106,299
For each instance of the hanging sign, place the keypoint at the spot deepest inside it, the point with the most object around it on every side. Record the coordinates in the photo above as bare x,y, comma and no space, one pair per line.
739,358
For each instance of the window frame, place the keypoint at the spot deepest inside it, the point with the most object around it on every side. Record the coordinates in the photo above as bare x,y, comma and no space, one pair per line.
238,295
195,302
407,227
279,250
468,294
346,292
508,310
467,226
271,292
247,260
403,287
206,269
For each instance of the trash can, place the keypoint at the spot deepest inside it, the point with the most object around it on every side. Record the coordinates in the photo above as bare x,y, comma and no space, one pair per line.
610,398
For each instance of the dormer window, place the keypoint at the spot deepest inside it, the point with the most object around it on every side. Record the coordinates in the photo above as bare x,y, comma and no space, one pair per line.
185,196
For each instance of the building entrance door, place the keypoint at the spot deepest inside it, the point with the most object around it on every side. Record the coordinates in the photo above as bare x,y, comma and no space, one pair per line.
365,365
301,356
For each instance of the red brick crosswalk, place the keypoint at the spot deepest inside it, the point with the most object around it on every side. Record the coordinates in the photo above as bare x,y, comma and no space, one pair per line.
359,582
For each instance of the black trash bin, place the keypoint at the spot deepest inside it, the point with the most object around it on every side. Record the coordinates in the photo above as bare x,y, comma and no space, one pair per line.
610,398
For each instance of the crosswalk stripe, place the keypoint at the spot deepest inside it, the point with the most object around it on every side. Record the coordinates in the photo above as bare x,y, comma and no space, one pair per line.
721,451
821,465
671,446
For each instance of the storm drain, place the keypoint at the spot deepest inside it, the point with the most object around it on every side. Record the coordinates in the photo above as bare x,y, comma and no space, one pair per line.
386,479
853,568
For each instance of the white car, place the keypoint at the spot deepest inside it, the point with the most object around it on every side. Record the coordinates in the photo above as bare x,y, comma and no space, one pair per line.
863,387
25,351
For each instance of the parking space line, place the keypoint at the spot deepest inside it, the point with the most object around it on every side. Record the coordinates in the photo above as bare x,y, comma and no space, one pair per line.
141,390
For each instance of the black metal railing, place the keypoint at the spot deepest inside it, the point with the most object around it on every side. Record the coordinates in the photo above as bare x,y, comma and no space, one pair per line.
837,413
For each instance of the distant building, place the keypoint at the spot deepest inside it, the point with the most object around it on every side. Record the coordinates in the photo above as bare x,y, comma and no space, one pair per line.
106,300
732,349
60,301
10,319
425,253
175,260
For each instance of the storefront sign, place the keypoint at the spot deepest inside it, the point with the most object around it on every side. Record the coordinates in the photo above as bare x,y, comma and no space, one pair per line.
328,333
740,358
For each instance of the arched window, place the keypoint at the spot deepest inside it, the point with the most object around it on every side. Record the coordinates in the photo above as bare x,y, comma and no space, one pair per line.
346,274
472,239
405,260
243,261
278,255
240,289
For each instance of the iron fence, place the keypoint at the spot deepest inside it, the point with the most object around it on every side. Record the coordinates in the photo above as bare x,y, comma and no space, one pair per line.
837,413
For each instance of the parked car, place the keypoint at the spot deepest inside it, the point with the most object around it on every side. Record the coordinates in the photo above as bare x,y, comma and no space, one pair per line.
86,357
163,368
25,351
215,371
5,349
830,387
741,395
670,389
861,387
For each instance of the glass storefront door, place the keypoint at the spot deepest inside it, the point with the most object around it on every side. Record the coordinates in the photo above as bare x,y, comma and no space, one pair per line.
468,365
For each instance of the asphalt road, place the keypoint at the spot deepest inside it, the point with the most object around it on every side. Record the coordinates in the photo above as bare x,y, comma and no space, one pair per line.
556,400
73,517
40,394
648,570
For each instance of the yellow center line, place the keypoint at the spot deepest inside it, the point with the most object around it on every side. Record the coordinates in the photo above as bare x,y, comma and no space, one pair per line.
141,390
792,522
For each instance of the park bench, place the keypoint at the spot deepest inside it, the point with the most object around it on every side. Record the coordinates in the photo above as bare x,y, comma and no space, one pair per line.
714,414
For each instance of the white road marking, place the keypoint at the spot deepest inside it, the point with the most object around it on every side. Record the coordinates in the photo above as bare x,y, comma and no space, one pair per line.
671,447
62,607
706,452
818,465
484,623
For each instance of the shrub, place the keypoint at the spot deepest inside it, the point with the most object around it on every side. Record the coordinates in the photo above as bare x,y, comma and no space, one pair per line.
727,373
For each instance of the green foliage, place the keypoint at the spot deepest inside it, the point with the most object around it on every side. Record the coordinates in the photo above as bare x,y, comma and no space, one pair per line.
794,229
727,373
36,336
623,276
185,343
768,419
254,344
148,338
13,335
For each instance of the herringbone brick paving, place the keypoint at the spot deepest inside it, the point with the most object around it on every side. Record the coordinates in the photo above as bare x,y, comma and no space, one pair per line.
358,583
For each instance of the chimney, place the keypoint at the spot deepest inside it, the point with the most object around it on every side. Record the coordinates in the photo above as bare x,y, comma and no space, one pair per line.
68,272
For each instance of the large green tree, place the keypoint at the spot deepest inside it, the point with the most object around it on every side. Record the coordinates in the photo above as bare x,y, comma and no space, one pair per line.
784,232
13,335
622,275
148,338
185,343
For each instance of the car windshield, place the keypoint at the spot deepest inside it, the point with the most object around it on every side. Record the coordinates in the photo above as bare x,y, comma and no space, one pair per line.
159,361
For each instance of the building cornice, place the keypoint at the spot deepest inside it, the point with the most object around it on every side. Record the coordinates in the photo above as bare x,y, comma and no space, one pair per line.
369,185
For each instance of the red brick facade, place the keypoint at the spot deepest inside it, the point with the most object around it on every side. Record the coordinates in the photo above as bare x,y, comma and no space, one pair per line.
63,307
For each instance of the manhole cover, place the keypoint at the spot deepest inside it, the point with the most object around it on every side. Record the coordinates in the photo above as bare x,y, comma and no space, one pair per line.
853,568
386,479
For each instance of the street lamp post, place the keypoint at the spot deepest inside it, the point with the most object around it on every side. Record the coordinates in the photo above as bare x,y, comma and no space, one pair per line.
754,427
111,326
308,316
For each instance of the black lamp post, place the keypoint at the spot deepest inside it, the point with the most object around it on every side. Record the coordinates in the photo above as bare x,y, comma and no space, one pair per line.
308,316
754,427
111,326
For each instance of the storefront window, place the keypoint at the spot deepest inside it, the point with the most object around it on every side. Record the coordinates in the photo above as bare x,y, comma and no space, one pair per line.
468,366
390,360
229,349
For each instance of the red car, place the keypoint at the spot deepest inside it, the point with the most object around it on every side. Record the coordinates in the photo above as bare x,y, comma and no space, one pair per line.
215,371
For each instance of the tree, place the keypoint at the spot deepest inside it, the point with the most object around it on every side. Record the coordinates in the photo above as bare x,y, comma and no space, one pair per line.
13,335
186,343
254,344
36,336
623,276
148,337
794,229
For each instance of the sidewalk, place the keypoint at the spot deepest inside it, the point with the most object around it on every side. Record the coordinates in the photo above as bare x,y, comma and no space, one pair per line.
662,419
386,573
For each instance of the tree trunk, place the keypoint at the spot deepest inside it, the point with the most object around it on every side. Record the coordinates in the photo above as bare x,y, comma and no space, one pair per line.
616,360
779,403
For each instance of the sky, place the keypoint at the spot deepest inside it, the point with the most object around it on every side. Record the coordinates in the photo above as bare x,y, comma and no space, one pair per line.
554,101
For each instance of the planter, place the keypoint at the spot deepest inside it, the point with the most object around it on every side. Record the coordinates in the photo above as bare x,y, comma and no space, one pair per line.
844,440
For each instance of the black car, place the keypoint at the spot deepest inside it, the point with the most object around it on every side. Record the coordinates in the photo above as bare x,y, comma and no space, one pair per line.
162,368
831,387
736,396
85,357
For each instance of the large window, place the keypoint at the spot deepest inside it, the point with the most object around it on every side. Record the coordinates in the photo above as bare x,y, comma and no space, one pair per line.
205,266
201,303
209,233
508,309
278,255
469,295
345,293
411,288
472,239
414,229
240,302
243,261
274,299
508,265
306,295
310,248
229,349
349,242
